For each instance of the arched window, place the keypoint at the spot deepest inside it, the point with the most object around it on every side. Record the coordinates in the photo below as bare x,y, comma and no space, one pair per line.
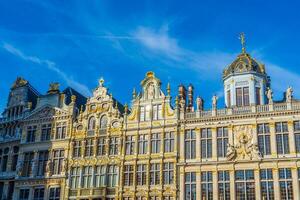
92,123
103,122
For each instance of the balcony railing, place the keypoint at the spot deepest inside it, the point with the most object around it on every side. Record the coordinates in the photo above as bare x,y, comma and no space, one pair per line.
244,110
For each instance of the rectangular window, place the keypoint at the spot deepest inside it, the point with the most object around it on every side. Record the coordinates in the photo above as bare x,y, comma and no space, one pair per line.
142,113
224,185
257,96
61,130
155,142
155,174
42,163
54,193
206,186
157,112
101,146
58,161
100,176
77,149
31,131
285,183
27,166
239,97
24,194
297,135
267,186
282,138
113,146
87,177
129,145
168,173
38,194
222,141
264,144
190,186
169,141
46,132
141,174
244,184
228,98
246,96
206,143
190,144
143,144
112,175
128,175
75,177
89,148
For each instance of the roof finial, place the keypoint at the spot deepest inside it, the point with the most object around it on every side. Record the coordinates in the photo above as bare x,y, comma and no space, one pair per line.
243,42
101,82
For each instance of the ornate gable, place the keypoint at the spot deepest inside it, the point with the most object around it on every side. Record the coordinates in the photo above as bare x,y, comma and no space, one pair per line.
45,112
151,87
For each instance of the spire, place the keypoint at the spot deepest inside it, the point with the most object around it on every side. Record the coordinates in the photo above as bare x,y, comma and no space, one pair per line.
243,42
168,89
133,93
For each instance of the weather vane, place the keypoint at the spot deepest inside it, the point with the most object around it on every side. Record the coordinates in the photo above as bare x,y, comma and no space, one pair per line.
243,42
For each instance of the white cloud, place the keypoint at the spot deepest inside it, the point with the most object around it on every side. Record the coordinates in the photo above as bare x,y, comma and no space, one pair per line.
50,65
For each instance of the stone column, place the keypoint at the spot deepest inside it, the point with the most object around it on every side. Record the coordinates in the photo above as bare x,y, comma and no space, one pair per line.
181,186
232,185
198,184
295,182
292,139
276,184
273,140
34,163
214,144
181,145
198,147
215,184
257,183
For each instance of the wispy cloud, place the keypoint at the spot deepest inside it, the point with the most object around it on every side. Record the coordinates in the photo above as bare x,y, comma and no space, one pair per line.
48,64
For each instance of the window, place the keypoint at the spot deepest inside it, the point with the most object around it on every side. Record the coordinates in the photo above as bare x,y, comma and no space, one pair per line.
42,163
297,135
31,131
14,158
222,141
77,149
24,194
155,142
141,174
145,113
58,159
143,144
224,185
157,112
266,181
54,193
228,98
27,167
112,175
285,183
169,142
46,132
257,96
87,177
100,176
206,186
4,160
91,126
168,172
190,186
242,96
190,144
206,143
39,194
75,177
264,144
113,146
101,146
128,175
282,138
61,130
244,184
103,124
155,174
129,145
89,148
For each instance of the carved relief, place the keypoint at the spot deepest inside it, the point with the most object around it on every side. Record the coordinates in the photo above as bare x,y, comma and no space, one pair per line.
244,147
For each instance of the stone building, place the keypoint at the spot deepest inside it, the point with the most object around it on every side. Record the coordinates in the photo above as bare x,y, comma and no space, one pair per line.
156,148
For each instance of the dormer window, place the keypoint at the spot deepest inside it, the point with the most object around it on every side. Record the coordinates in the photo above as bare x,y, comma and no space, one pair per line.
242,96
145,113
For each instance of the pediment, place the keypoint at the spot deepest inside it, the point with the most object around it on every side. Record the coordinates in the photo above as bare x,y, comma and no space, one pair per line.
45,112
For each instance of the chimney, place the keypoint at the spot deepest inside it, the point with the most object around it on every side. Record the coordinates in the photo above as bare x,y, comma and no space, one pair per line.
182,92
190,106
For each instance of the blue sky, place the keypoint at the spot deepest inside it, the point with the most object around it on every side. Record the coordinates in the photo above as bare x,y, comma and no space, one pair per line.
77,42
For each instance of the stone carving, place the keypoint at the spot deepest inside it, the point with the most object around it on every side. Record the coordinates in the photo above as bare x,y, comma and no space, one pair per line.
199,103
269,94
244,147
214,101
289,94
151,91
19,168
49,168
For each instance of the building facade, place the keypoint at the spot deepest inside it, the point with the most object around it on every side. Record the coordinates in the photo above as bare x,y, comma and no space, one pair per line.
156,148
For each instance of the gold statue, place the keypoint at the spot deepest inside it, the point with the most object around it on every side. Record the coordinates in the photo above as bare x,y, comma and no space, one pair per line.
243,42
